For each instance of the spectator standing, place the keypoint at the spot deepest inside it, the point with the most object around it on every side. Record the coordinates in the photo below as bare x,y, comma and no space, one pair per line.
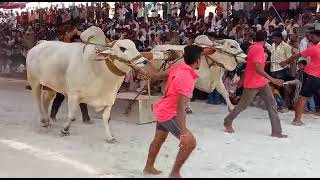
122,12
201,10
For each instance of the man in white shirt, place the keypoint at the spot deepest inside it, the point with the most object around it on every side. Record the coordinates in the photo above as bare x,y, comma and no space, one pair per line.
122,12
280,52
238,9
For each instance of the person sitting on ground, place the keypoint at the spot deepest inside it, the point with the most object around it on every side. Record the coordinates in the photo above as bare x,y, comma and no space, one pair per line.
277,97
231,82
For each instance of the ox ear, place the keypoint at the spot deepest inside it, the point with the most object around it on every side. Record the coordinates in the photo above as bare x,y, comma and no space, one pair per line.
104,54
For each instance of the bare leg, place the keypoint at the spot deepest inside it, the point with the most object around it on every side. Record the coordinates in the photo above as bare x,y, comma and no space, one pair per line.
286,97
299,109
106,116
159,138
222,90
56,105
183,154
73,102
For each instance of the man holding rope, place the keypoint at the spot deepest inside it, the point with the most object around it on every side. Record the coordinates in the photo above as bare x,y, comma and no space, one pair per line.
170,110
256,80
311,77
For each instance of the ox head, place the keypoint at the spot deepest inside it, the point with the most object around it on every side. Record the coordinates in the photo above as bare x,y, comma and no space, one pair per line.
124,51
233,48
229,54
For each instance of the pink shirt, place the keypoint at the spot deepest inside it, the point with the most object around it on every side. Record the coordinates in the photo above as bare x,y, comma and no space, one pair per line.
252,79
180,81
313,66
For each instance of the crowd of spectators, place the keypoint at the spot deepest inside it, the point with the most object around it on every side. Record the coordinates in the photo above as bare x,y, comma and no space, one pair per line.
286,23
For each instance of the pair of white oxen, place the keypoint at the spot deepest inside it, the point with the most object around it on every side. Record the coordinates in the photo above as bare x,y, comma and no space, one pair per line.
89,72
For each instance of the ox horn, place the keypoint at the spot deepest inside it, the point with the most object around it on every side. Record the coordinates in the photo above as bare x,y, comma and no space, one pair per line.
220,41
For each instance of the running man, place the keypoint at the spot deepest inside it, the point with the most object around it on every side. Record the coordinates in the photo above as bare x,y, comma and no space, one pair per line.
311,77
170,110
256,80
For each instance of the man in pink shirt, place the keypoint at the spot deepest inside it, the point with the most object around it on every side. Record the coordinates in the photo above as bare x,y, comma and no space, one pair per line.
256,80
311,76
170,110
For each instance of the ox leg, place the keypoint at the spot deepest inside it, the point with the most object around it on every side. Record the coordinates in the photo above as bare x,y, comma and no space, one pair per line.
73,103
47,97
106,116
36,92
222,90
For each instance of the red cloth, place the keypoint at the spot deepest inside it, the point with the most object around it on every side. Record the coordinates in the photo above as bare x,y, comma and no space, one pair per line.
281,6
201,9
313,66
52,17
252,79
181,81
25,18
135,7
19,19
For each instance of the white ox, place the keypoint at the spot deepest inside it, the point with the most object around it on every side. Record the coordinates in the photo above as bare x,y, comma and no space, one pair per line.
228,55
79,72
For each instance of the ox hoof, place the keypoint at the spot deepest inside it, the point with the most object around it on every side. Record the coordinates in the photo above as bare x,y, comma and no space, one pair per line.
45,123
188,111
88,122
64,133
54,119
112,140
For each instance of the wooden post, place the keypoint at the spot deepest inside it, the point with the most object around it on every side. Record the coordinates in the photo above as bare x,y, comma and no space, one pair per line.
228,18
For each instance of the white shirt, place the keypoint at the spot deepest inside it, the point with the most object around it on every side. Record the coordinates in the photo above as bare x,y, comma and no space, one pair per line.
279,54
174,10
140,12
122,12
154,13
238,6
284,34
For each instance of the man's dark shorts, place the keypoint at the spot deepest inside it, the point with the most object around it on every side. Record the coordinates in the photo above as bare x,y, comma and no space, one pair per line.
171,126
310,85
282,74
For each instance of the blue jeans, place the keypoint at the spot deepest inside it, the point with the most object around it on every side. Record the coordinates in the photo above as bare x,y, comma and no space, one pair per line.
215,98
310,105
279,100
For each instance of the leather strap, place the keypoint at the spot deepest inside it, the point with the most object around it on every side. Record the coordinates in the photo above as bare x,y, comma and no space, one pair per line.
114,69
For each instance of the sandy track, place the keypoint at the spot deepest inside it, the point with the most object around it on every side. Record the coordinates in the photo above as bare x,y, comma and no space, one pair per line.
29,151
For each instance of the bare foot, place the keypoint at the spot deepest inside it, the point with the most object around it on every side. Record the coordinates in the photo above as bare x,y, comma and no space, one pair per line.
279,135
297,123
228,128
151,171
175,175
